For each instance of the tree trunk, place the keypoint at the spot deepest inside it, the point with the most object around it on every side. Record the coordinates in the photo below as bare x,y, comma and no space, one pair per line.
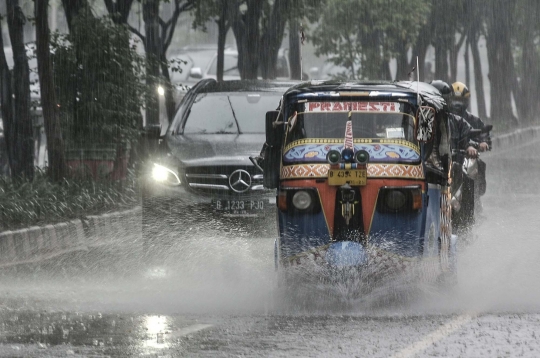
295,60
223,28
402,68
271,39
72,8
119,10
441,63
24,139
53,131
420,50
443,37
6,97
170,103
499,20
467,62
529,106
246,31
454,49
478,79
153,56
473,22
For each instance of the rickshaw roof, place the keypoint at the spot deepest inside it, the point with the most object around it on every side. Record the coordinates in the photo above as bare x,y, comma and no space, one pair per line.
373,89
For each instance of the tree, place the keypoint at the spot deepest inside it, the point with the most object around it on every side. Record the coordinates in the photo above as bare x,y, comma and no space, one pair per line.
258,27
366,39
22,164
216,10
53,130
446,18
98,81
157,39
499,20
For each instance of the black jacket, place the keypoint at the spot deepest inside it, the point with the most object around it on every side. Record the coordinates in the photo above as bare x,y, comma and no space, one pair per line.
460,133
477,123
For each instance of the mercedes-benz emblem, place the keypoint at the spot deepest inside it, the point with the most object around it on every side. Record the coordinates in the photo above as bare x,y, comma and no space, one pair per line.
240,181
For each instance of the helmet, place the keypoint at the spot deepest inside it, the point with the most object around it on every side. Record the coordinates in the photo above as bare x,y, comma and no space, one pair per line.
459,101
443,87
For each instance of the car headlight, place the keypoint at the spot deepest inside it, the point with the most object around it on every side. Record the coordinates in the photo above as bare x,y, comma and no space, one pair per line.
165,175
302,200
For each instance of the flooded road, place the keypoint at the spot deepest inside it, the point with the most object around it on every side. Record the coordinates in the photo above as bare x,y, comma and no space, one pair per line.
213,296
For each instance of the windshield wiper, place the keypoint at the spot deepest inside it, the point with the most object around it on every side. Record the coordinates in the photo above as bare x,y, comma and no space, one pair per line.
234,115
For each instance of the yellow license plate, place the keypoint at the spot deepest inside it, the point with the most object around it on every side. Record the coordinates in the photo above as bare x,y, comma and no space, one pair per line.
350,176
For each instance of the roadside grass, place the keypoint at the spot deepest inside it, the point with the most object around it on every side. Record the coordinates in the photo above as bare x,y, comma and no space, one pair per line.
40,202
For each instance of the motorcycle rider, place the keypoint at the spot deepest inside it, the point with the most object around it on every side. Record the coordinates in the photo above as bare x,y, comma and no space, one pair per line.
458,104
462,146
459,127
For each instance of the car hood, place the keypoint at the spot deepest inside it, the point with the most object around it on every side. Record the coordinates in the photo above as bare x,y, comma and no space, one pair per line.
216,149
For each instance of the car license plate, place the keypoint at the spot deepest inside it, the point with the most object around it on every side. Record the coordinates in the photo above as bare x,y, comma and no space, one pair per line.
347,176
240,208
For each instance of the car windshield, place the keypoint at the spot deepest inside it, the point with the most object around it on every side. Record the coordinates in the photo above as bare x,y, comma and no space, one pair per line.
219,113
230,66
374,120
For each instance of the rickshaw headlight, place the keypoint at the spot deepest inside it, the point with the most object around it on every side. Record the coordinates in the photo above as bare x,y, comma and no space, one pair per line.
302,200
395,199
400,199
333,157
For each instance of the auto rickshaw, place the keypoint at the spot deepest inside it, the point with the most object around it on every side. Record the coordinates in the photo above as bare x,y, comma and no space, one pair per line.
355,189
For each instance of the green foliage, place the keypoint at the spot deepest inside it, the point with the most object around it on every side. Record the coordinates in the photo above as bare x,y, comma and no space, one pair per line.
40,202
363,35
98,77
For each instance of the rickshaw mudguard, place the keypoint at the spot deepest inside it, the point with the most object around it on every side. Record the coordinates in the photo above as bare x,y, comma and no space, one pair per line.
400,234
300,233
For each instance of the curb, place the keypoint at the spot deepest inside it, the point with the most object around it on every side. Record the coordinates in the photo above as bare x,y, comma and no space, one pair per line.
36,244
515,138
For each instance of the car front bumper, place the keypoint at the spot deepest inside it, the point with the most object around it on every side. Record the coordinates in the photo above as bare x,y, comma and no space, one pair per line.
256,204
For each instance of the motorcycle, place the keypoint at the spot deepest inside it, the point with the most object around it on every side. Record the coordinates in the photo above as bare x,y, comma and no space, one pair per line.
468,184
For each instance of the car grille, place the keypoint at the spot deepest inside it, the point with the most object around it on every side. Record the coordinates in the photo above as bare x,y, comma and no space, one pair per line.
216,179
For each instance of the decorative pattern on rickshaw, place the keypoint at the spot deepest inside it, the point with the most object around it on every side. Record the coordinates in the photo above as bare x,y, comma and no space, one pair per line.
377,152
445,229
402,142
373,170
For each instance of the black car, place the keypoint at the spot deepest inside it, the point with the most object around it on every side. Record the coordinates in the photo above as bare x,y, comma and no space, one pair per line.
204,174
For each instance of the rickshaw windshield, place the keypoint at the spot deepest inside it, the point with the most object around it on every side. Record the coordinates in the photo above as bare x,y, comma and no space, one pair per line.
375,120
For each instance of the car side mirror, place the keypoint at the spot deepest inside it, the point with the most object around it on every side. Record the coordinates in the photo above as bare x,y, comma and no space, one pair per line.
195,72
425,123
274,133
272,149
